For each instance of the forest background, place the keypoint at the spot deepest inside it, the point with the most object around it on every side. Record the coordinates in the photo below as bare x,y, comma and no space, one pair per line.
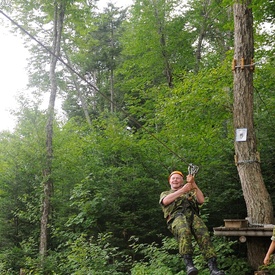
150,91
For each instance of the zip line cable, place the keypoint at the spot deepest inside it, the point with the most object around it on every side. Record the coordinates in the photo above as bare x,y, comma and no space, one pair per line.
194,169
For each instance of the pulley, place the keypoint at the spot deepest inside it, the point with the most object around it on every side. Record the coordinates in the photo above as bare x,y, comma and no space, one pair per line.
193,169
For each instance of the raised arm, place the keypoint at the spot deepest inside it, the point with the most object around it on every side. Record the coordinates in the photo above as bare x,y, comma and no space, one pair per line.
199,194
176,181
171,197
269,252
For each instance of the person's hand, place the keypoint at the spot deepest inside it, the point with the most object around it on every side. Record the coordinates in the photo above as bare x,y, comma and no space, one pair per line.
187,187
266,260
190,178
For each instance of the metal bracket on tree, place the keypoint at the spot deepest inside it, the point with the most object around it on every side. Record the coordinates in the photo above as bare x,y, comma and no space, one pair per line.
242,65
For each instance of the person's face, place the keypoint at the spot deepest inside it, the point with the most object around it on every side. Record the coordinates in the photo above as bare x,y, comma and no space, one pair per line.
176,181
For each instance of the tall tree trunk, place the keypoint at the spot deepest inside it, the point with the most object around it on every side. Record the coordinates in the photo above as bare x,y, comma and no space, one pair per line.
258,201
48,183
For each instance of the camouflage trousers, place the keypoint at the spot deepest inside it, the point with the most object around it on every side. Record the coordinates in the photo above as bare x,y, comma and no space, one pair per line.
187,225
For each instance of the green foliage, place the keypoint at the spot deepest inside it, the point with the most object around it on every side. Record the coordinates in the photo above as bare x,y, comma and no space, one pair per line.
159,259
108,175
82,255
229,260
271,266
11,260
87,256
22,157
264,111
99,257
108,198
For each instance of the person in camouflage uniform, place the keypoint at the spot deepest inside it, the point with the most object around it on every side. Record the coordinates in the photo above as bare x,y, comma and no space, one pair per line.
180,206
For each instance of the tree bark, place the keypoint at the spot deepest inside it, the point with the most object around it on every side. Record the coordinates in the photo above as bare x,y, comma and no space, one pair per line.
258,201
48,183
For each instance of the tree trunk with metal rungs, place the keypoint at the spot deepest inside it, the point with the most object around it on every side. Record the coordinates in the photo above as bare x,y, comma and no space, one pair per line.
258,201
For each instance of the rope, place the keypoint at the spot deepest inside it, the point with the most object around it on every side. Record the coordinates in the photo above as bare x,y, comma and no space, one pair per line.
91,85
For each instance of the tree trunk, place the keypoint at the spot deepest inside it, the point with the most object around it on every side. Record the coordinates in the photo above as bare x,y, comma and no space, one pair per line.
258,201
48,184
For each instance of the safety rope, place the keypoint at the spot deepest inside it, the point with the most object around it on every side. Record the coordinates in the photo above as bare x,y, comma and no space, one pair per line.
193,168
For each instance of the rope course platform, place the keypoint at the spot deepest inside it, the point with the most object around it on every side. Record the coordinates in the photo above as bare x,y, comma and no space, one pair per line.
241,228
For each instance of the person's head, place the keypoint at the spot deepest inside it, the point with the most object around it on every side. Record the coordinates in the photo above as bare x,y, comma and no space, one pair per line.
176,180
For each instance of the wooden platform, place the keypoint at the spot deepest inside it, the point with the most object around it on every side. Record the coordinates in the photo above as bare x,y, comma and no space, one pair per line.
244,231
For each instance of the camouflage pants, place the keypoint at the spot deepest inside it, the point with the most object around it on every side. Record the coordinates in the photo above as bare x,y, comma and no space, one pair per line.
187,225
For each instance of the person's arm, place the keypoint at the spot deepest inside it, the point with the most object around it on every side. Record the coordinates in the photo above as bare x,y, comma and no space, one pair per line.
269,252
199,194
171,197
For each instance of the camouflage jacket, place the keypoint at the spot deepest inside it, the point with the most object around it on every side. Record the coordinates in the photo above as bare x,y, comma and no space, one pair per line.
186,202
